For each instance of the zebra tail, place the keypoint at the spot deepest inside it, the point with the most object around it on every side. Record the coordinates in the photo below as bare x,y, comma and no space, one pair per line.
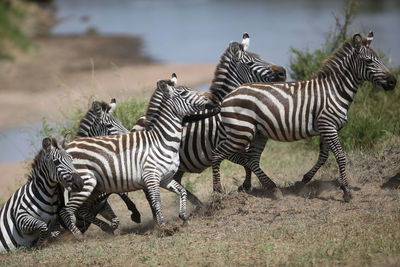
197,117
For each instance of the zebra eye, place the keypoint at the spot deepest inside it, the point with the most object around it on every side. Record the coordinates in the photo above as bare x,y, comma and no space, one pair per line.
250,63
369,61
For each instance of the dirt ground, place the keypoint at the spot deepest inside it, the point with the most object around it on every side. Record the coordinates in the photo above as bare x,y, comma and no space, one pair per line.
310,225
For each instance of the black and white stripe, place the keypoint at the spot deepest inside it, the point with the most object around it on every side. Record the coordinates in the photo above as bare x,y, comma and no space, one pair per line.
296,110
100,121
237,66
26,217
141,159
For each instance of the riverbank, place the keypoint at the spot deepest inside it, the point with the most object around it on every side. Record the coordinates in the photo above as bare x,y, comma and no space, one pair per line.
67,71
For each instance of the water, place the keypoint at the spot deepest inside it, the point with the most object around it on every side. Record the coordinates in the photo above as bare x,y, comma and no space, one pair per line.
182,31
19,143
179,31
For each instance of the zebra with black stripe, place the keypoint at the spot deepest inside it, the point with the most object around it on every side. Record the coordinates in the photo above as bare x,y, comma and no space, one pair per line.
296,110
25,219
237,65
100,121
141,159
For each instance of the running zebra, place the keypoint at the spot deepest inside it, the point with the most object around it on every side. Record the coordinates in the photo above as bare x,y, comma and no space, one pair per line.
26,217
237,66
100,121
141,159
292,111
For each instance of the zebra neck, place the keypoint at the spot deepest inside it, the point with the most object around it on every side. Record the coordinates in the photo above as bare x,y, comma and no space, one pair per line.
339,75
40,181
169,127
223,82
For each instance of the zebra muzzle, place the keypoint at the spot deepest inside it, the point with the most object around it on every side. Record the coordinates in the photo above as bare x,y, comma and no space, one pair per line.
77,183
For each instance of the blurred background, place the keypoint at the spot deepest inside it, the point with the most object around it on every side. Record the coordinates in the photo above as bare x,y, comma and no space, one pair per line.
58,54
198,30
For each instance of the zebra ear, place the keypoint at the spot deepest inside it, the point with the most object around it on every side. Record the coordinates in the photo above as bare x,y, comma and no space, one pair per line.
66,139
166,89
113,105
357,41
174,79
96,107
246,41
46,144
370,37
236,49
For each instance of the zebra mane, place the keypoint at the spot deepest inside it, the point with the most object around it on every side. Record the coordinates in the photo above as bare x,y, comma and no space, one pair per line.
153,109
216,90
37,161
330,64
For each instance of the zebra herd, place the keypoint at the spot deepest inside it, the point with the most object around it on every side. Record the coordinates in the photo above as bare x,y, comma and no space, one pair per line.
187,131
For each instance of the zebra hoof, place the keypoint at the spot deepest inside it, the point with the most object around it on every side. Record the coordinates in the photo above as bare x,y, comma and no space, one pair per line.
117,232
243,188
347,195
79,236
135,217
277,193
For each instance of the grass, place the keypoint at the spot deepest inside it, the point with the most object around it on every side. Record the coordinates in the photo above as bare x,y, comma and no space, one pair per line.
250,229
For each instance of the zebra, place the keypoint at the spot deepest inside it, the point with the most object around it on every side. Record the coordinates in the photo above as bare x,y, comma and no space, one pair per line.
292,111
100,121
140,159
237,65
25,219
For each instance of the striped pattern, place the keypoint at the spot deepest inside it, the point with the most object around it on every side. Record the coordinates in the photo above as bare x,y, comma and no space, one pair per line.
26,217
296,110
237,66
141,159
100,121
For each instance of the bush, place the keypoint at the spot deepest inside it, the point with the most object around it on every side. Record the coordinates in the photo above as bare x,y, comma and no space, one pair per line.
11,17
373,113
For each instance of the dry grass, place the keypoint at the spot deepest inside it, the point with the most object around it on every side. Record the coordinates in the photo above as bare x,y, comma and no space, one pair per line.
310,226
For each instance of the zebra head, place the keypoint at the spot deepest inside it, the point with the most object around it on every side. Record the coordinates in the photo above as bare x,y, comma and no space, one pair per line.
59,165
104,122
369,66
238,66
184,100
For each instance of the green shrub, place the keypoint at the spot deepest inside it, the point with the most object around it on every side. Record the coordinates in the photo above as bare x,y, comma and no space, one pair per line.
11,17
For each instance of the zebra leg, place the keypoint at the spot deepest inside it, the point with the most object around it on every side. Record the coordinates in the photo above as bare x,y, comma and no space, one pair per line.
223,151
108,213
88,211
190,196
175,187
28,224
67,213
246,186
323,156
135,216
153,211
152,182
332,139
